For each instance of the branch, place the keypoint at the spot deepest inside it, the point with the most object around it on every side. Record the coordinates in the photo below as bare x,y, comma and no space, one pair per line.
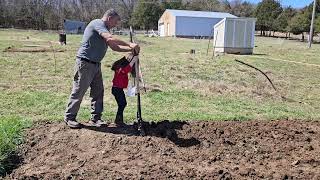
259,71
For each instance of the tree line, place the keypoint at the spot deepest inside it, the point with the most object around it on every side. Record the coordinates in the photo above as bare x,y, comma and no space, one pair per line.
272,17
144,14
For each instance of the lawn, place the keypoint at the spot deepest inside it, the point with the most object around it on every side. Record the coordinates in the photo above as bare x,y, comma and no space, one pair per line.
35,86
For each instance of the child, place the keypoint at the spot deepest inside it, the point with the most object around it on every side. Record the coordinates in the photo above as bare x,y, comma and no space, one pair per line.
120,81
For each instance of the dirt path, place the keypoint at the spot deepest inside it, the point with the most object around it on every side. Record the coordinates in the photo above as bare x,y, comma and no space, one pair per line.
200,150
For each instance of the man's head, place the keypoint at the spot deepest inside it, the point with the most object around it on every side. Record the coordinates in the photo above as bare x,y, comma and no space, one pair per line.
111,18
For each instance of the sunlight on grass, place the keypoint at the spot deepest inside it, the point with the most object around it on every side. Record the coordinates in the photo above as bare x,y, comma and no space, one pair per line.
193,87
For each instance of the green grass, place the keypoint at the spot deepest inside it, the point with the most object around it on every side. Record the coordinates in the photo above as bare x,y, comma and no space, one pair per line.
194,87
11,128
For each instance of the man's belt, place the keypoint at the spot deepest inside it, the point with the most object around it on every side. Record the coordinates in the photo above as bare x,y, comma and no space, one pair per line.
87,60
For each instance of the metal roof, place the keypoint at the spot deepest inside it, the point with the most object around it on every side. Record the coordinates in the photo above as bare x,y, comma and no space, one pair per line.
204,14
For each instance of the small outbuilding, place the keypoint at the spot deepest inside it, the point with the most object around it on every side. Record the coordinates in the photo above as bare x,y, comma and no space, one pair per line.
234,36
184,23
73,27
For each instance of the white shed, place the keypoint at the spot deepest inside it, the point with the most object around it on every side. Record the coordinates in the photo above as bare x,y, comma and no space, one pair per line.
184,23
234,36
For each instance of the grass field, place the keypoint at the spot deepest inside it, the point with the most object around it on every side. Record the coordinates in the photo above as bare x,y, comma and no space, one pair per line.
192,87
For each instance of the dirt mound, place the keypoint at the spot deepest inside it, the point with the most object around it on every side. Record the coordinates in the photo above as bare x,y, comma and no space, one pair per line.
182,150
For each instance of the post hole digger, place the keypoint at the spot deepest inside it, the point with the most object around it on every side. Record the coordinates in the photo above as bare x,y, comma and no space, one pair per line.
137,77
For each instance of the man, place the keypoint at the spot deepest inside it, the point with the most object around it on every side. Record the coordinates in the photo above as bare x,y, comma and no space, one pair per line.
95,42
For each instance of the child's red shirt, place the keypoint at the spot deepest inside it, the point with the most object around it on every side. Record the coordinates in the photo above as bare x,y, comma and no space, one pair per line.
120,78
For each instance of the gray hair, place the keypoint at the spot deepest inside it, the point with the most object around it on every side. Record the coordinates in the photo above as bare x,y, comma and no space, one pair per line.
111,13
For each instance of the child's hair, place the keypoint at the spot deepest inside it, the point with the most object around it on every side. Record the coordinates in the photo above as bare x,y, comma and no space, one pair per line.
123,62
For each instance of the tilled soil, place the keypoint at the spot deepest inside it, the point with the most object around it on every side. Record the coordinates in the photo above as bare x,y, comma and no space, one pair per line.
174,150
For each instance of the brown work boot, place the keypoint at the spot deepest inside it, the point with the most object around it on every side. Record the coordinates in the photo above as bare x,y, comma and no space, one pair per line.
119,121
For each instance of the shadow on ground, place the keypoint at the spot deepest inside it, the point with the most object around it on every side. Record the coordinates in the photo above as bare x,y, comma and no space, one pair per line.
164,129
10,163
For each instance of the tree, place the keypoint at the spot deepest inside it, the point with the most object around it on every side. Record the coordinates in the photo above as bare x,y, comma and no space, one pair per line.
49,14
146,14
266,12
281,24
317,25
178,4
300,23
204,5
242,9
226,5
125,9
2,15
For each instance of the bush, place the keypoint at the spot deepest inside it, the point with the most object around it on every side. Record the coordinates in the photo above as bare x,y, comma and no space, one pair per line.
11,128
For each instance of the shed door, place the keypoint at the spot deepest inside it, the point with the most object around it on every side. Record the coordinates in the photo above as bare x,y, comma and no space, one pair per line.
161,30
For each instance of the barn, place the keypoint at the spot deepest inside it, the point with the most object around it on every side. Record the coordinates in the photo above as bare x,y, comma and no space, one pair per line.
73,27
184,23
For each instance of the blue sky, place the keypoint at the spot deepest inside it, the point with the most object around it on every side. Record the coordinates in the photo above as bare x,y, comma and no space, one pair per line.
293,3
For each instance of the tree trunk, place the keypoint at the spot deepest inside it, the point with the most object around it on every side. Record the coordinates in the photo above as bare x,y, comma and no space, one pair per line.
312,35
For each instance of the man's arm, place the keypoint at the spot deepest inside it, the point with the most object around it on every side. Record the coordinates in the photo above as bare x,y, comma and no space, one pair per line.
119,45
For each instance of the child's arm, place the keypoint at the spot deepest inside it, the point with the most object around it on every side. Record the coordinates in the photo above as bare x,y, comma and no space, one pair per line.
135,58
128,68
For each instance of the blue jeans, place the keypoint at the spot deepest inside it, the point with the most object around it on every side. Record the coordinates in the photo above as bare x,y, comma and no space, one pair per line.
121,100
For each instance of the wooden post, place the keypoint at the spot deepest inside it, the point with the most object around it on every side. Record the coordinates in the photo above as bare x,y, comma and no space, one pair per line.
312,23
211,36
54,57
214,45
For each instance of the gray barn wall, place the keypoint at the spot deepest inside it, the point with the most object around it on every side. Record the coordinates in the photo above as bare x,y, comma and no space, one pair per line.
195,26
